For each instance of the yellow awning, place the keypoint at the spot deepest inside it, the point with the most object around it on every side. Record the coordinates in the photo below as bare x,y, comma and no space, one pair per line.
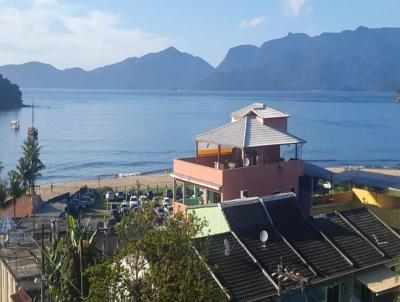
379,280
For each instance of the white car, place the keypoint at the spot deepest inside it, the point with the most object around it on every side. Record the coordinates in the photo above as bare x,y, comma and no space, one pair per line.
110,196
124,204
143,198
166,201
133,202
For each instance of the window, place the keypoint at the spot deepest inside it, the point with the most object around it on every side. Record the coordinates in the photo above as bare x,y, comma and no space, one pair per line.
332,294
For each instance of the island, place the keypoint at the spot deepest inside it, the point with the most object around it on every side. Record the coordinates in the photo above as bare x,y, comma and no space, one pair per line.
10,95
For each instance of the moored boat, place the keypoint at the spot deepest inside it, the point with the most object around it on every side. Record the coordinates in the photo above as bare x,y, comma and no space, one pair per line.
14,124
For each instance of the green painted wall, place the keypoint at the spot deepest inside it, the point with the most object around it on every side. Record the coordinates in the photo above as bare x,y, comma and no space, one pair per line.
215,220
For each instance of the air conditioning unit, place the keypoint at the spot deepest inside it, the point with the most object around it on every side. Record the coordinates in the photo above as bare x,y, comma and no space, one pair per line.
244,193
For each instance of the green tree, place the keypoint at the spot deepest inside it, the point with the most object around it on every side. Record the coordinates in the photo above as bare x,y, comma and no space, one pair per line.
15,189
30,165
154,264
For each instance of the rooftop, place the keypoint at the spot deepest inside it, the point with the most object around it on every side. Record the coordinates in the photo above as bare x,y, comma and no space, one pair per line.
21,262
248,132
318,248
260,110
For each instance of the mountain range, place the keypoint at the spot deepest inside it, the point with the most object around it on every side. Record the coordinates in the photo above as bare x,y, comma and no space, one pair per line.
362,59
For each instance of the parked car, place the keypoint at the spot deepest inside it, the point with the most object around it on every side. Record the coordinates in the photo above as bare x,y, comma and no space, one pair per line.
124,211
149,195
73,208
133,203
114,206
111,223
101,225
142,198
166,201
110,196
160,212
124,204
116,215
88,198
168,193
120,196
170,209
83,204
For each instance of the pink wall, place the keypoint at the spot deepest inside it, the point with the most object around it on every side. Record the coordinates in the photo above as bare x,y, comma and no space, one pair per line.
278,123
197,171
262,180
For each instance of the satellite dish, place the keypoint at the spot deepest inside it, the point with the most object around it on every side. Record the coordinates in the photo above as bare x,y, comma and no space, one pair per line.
246,162
264,237
227,247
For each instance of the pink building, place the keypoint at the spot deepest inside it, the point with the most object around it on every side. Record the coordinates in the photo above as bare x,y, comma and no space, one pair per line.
254,155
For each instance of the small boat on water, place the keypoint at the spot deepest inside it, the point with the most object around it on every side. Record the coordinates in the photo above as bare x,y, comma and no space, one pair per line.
397,97
32,130
14,124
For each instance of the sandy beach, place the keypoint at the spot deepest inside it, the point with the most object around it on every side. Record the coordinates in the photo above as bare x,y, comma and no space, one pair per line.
48,191
394,172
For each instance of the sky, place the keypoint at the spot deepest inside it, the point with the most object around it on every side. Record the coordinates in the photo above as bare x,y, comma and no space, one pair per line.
93,33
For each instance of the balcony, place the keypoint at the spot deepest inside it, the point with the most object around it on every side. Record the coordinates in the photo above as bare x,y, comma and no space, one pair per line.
229,177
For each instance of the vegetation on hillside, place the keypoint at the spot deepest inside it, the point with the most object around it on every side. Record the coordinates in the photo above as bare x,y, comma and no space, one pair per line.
10,95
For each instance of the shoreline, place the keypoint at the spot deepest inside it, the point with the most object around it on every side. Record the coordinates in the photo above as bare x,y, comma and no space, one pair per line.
47,191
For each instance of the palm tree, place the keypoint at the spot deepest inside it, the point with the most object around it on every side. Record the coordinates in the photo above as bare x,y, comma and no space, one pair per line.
15,190
30,165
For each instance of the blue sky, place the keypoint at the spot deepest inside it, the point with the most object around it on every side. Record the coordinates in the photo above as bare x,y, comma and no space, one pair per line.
92,33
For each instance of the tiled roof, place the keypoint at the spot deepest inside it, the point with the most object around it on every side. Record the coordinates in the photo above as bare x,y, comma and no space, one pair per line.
261,110
355,247
374,230
288,219
248,132
237,272
330,246
275,250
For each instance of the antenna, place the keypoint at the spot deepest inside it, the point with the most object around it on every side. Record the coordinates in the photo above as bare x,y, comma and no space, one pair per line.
227,247
264,237
379,242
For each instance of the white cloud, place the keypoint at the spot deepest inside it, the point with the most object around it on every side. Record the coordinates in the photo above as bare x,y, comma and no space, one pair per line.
49,32
294,7
251,23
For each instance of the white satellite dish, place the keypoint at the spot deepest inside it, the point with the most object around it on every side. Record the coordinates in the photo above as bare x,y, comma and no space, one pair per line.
227,247
264,237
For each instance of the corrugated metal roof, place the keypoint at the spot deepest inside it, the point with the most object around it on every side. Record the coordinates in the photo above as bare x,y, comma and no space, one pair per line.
248,132
261,110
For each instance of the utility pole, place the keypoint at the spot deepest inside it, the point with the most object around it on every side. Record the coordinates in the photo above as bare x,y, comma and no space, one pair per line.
42,268
81,266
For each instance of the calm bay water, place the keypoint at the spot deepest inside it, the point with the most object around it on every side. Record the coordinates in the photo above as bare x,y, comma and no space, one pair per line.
91,133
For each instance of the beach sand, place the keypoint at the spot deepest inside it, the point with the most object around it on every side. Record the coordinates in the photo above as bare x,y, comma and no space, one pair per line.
394,172
46,191
49,191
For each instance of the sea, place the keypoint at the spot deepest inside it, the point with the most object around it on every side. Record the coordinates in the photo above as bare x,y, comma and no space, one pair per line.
87,134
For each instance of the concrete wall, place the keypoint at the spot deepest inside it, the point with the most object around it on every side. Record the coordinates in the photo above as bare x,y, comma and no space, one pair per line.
263,179
204,173
8,285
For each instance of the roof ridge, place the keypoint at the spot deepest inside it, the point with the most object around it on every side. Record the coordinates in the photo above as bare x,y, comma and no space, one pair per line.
245,132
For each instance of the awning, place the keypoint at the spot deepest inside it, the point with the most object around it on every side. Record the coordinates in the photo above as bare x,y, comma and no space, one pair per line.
195,181
379,280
